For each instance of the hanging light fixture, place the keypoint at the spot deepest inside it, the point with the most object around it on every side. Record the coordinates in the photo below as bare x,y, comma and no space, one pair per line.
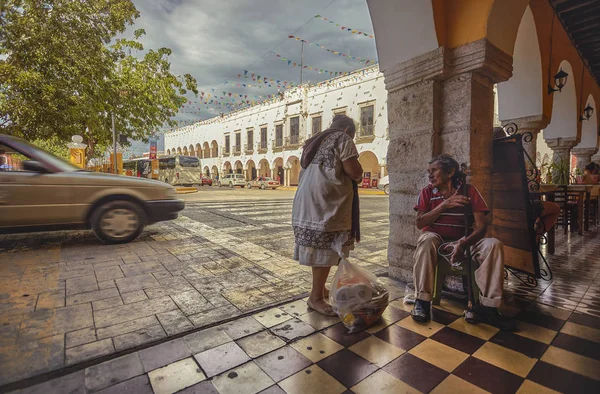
560,80
588,111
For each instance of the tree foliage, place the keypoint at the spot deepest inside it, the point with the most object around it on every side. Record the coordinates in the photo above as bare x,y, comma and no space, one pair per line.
63,71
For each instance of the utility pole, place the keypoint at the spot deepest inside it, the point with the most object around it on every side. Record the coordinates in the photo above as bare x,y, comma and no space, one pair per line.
114,132
301,62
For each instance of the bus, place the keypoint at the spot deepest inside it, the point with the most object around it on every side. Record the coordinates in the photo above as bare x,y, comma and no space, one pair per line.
141,168
180,170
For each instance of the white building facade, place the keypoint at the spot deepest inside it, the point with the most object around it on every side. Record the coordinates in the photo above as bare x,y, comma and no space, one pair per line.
267,139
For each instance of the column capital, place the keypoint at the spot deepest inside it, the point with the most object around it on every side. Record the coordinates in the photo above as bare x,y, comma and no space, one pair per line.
584,151
442,63
532,124
561,143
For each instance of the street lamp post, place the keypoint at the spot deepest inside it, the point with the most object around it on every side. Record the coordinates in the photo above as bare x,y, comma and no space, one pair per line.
114,133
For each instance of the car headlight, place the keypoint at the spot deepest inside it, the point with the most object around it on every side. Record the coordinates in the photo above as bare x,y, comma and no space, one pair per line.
170,193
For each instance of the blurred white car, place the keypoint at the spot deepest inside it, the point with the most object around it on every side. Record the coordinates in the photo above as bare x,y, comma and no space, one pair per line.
384,184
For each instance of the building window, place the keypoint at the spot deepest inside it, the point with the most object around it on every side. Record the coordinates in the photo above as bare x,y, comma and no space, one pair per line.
227,144
279,135
250,146
238,142
263,138
294,130
316,125
366,121
339,111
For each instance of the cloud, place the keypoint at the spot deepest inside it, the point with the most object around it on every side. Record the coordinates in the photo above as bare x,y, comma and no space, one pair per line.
215,40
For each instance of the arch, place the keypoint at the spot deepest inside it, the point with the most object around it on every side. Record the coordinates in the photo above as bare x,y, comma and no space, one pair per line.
227,167
199,151
207,171
206,150
522,95
368,161
263,168
293,171
185,151
239,167
178,151
214,172
168,152
191,151
278,170
214,147
503,23
250,167
589,128
403,29
563,123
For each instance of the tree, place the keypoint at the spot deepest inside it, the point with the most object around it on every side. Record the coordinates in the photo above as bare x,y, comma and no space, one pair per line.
63,71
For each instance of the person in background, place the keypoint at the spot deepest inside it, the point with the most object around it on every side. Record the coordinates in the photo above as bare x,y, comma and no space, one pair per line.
440,216
590,174
326,204
4,166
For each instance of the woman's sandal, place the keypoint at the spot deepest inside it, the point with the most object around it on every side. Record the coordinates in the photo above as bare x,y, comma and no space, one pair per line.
328,311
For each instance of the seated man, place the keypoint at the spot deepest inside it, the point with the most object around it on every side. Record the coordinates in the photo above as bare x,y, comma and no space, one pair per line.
440,215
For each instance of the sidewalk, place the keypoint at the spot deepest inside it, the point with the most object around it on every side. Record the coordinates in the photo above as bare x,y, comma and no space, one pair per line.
360,190
289,349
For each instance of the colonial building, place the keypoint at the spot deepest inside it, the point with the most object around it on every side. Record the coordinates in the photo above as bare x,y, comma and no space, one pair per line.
267,139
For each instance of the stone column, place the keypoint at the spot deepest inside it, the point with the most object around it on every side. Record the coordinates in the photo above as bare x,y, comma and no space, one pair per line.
584,156
533,125
596,158
561,157
439,102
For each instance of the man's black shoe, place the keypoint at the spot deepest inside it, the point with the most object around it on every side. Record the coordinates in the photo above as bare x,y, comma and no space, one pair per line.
421,311
491,316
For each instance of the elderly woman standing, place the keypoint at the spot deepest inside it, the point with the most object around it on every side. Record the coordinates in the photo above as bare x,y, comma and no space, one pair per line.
326,204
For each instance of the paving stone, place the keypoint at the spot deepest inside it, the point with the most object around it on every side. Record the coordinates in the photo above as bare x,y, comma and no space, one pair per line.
134,296
174,322
91,296
176,376
137,385
204,387
177,282
107,284
260,343
125,327
191,302
213,315
107,303
160,355
292,329
242,327
108,273
201,341
80,337
73,383
221,358
56,321
119,314
50,300
139,337
83,284
131,259
113,371
141,268
89,351
164,274
139,282
75,272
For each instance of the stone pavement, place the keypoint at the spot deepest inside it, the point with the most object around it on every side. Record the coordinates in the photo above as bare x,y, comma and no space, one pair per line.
65,298
290,349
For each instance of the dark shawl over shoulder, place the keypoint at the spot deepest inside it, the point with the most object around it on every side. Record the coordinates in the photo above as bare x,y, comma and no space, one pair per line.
311,147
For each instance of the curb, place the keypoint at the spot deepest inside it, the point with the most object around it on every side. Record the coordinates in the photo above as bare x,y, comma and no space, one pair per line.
360,190
186,190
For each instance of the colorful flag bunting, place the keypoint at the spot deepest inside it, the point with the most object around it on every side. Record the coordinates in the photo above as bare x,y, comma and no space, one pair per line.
344,28
360,59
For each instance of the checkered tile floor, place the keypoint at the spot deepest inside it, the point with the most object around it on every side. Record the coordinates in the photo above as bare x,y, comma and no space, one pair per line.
293,350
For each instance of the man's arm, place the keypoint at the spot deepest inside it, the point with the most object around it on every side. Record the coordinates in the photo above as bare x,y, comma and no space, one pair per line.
426,218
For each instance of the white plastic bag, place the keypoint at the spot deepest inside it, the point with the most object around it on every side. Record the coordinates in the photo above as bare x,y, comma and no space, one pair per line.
356,295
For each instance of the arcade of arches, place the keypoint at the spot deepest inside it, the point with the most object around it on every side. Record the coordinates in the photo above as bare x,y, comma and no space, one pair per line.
442,60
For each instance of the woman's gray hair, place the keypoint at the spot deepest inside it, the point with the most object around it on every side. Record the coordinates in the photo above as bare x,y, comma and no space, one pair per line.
340,122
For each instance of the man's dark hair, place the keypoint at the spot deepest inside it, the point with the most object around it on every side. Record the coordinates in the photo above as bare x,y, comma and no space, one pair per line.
340,122
448,163
591,167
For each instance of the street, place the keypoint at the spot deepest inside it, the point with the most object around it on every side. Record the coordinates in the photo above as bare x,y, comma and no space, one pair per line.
67,298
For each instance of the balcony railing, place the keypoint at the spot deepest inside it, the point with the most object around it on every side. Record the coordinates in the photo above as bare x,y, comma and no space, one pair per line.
293,142
226,151
237,150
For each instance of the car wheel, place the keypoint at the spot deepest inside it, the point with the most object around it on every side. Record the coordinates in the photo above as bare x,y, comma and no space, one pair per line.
231,185
263,187
219,184
118,222
249,186
386,189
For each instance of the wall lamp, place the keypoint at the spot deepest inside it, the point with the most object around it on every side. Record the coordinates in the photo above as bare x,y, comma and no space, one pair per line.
560,80
587,113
